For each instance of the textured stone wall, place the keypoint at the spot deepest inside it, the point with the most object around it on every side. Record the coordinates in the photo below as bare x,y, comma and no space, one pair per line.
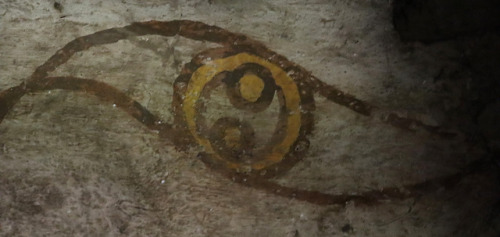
95,147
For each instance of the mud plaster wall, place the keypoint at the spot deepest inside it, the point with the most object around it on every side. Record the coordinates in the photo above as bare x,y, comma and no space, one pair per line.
72,164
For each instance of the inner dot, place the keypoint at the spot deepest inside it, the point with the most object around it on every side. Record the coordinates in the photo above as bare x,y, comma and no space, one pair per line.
251,87
232,138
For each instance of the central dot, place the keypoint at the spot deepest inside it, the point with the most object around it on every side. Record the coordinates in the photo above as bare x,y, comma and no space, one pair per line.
232,138
251,87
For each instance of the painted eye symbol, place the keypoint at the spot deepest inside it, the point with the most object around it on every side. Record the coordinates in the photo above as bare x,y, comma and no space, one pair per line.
253,77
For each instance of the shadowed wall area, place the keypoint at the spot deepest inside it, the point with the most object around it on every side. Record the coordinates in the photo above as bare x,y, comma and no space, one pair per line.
251,118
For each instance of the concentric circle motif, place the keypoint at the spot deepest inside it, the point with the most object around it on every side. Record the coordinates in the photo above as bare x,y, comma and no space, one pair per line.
252,84
253,77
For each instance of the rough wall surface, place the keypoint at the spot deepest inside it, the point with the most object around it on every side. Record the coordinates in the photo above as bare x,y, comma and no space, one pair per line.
73,165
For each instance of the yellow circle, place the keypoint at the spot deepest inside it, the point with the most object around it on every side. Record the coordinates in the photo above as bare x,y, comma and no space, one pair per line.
206,73
251,87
